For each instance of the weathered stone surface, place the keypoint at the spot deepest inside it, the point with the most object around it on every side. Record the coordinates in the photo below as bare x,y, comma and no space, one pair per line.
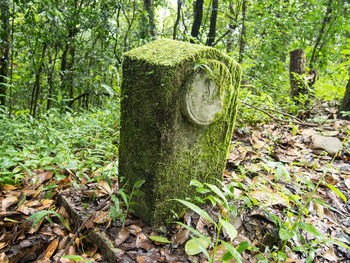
330,144
177,114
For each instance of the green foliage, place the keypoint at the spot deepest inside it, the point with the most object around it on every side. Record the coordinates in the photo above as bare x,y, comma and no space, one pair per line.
291,227
38,216
200,243
127,200
81,142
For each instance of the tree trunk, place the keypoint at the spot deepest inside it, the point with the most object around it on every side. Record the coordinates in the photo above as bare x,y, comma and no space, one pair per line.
50,71
345,104
150,13
4,47
36,87
12,54
198,14
179,3
326,20
297,72
212,27
243,37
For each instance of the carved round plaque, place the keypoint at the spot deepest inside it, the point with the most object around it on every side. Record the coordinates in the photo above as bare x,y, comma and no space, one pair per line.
203,101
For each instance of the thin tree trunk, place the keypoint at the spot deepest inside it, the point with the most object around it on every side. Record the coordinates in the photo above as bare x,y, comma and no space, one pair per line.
179,3
4,47
70,71
130,23
64,67
297,72
36,87
345,104
50,72
150,13
242,40
326,20
212,27
198,15
12,53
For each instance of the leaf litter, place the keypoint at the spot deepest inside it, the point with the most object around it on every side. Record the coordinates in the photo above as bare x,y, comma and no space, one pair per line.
272,161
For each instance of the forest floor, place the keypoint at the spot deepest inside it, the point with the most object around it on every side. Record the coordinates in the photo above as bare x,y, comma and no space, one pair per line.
273,169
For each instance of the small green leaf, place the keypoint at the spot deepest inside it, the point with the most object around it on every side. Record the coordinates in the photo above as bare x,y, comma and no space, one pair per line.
139,183
218,192
335,190
159,239
77,258
309,228
281,256
196,183
285,234
124,196
230,229
195,246
242,246
233,252
227,256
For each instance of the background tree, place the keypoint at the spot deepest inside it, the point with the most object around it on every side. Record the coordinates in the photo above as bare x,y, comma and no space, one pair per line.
4,47
67,54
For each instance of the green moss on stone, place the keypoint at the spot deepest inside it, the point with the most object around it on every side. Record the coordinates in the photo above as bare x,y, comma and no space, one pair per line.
157,141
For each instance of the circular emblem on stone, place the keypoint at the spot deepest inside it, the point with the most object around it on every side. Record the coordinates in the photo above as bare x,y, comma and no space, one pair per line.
203,101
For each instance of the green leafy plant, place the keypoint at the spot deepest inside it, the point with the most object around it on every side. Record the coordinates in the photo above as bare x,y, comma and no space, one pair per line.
38,216
127,199
199,242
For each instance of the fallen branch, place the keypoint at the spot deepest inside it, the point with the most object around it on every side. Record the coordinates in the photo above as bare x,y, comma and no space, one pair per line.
297,120
80,228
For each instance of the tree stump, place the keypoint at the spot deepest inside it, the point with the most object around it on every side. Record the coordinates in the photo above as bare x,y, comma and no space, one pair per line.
345,104
177,114
298,82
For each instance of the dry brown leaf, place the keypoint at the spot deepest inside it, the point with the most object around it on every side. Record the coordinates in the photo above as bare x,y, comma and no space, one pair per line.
3,258
201,224
63,243
8,201
2,245
180,237
267,198
346,181
122,236
331,256
219,253
133,229
51,248
41,176
71,251
104,188
144,259
8,187
63,212
28,192
58,231
102,217
143,242
332,179
319,209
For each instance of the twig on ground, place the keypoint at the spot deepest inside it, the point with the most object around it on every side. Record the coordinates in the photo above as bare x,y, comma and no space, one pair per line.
297,120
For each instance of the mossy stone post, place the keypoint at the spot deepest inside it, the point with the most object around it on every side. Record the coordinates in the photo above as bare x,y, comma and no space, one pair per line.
177,114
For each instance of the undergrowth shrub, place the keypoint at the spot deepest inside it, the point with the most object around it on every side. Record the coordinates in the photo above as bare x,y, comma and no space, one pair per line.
81,142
